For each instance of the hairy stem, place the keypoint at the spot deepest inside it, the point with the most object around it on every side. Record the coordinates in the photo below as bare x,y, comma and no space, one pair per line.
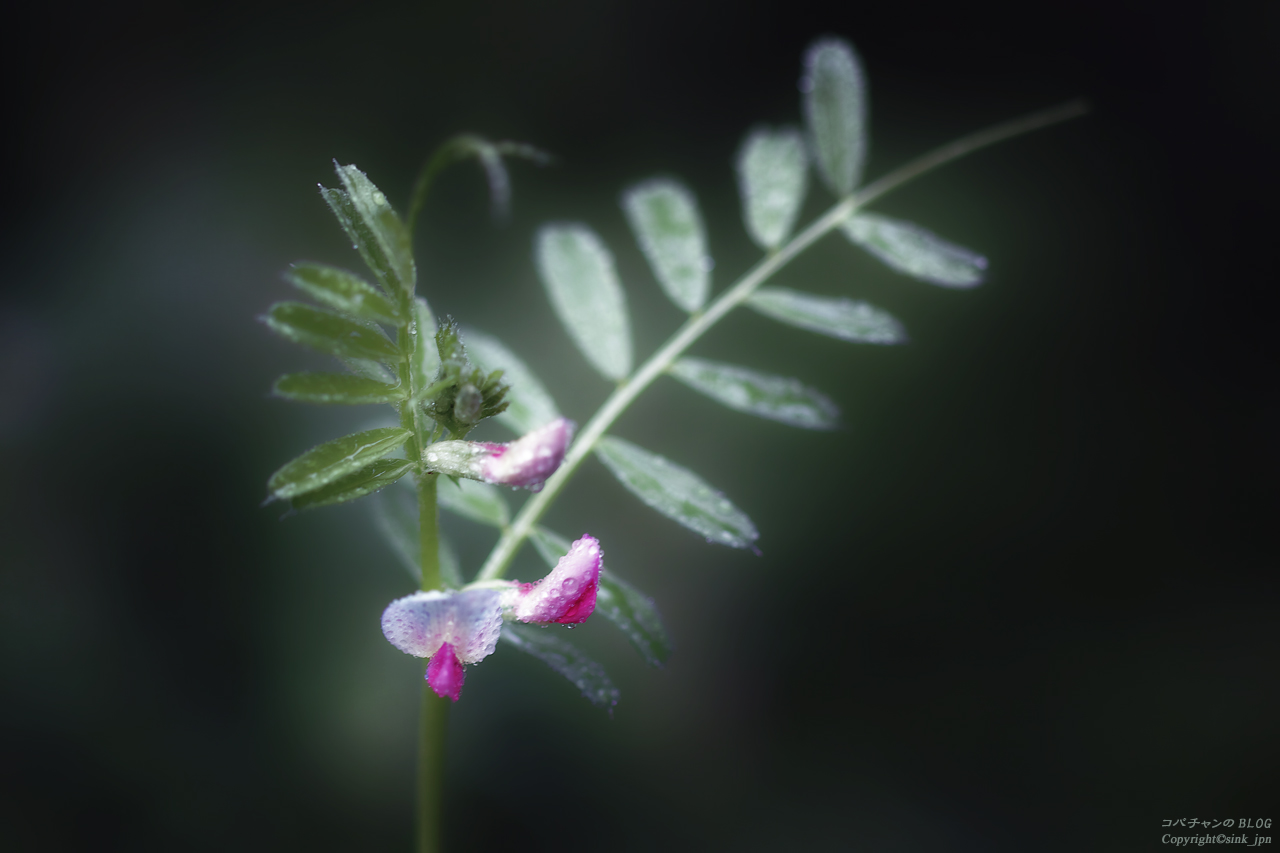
698,324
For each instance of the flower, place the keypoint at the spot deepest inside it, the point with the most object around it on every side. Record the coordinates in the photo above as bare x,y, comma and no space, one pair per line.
451,628
455,628
524,463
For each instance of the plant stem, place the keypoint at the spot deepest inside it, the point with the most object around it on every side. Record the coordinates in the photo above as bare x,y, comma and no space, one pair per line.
431,743
435,710
509,543
429,531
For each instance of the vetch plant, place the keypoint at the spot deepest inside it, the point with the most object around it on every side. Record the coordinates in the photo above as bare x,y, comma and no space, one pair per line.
442,382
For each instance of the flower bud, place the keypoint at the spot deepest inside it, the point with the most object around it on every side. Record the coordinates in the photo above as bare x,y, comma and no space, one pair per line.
466,405
524,463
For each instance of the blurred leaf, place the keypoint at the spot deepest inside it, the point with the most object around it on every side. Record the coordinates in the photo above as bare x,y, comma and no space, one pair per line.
677,493
840,317
775,397
616,600
343,291
835,108
914,251
587,675
395,512
334,460
330,332
773,176
425,358
374,228
531,405
336,388
664,216
577,270
474,500
369,369
366,481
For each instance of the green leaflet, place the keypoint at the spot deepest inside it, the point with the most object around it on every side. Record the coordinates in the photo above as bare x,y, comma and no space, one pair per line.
618,601
530,404
343,291
374,229
577,270
835,109
366,481
839,317
333,460
587,675
395,512
664,216
677,493
914,251
778,398
369,369
474,500
773,176
329,332
336,388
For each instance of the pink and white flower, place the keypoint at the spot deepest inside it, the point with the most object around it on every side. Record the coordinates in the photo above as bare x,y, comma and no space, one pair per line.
524,463
455,628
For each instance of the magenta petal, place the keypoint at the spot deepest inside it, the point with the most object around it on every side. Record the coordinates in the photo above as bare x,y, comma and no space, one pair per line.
567,595
445,673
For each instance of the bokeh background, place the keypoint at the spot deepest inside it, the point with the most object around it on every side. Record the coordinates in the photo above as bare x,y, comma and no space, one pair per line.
1026,600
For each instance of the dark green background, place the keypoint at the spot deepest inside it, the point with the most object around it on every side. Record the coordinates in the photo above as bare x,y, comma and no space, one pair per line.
1026,600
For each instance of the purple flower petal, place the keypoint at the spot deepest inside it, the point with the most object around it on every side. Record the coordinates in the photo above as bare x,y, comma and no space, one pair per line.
568,594
445,673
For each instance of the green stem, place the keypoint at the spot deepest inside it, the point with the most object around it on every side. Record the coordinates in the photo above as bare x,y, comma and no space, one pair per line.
429,531
435,710
698,324
431,743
